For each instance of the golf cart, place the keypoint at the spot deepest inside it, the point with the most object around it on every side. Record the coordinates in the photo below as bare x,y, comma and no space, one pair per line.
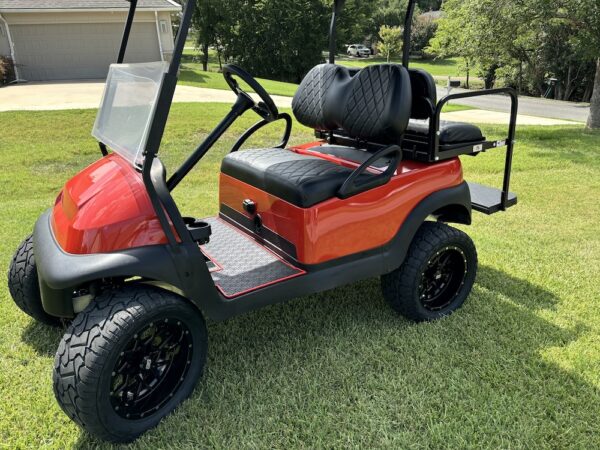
134,278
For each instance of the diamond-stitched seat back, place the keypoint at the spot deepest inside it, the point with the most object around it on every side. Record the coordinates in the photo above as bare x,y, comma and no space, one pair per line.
310,100
372,104
424,94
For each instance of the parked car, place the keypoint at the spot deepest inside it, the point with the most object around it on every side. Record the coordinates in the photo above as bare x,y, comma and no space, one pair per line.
359,51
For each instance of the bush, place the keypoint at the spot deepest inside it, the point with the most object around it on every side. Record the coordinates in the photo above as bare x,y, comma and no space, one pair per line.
423,30
7,70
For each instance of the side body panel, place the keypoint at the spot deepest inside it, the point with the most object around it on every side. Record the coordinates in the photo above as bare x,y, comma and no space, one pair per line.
338,228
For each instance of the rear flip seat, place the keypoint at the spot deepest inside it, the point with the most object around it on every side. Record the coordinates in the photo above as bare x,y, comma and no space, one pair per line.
424,98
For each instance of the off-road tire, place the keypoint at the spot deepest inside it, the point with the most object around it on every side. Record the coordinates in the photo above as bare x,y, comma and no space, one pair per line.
23,284
401,288
90,348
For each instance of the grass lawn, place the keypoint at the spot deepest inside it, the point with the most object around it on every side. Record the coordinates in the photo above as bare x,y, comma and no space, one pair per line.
436,67
193,75
517,367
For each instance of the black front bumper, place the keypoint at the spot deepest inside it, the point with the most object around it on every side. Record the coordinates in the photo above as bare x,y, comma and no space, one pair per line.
60,273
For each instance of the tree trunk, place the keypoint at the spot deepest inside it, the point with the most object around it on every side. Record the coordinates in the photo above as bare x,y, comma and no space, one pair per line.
594,119
589,89
205,56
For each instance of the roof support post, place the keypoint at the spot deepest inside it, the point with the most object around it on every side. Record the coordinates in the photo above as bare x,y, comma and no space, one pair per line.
337,8
407,32
127,30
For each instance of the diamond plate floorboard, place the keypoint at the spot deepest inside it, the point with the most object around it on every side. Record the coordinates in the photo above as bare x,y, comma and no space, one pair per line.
243,264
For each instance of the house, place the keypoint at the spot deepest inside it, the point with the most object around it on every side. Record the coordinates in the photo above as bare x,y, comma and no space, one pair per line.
79,39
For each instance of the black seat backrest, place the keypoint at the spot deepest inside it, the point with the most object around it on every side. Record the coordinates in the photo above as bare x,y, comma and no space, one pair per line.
371,104
424,93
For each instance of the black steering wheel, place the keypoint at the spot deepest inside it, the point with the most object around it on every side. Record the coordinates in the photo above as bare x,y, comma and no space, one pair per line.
265,108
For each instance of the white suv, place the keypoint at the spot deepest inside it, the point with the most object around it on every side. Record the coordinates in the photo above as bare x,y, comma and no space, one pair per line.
359,51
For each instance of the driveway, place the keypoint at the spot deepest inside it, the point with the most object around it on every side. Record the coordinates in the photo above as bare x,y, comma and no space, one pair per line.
86,95
530,106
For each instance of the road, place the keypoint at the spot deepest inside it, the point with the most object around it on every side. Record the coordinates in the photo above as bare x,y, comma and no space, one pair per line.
530,106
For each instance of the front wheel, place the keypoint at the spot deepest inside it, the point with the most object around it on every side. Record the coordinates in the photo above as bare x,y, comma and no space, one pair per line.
23,284
437,275
128,360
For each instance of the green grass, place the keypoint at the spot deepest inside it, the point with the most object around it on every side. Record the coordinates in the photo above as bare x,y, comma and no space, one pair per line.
436,67
517,367
193,75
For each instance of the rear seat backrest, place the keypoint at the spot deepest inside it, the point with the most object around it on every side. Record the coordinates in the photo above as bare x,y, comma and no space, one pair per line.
372,104
424,93
310,99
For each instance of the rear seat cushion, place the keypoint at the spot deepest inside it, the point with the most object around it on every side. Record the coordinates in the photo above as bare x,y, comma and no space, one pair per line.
450,132
301,180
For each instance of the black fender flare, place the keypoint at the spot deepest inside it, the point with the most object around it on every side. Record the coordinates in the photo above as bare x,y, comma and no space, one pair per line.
60,273
457,198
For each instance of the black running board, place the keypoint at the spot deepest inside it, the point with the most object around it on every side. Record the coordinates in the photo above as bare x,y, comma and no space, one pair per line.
238,264
488,200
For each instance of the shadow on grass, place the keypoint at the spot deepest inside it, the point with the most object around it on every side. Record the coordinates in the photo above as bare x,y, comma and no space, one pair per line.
42,338
190,75
351,360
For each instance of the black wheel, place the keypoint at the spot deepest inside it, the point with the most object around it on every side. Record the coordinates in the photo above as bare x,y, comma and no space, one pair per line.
128,360
437,275
23,284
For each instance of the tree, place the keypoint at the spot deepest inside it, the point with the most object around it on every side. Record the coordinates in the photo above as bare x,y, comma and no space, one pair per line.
586,14
275,42
390,43
594,119
423,30
524,42
207,22
430,5
357,22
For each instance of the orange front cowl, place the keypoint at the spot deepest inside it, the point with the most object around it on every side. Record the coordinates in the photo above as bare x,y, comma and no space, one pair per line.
105,208
338,228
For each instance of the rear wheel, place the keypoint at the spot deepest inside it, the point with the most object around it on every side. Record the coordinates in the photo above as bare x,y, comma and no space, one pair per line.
437,275
23,284
129,360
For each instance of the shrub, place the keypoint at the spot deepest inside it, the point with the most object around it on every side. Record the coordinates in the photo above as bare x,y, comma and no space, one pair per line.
7,70
424,28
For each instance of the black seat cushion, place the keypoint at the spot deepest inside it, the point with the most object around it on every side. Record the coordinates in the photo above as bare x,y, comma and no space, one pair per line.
372,104
301,180
451,133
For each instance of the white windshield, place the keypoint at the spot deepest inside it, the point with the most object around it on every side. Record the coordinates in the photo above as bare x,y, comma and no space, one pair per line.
127,108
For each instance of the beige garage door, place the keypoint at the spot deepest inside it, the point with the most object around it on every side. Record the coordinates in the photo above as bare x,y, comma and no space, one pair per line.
78,51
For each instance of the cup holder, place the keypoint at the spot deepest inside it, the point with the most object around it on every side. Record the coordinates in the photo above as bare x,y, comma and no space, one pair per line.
199,230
